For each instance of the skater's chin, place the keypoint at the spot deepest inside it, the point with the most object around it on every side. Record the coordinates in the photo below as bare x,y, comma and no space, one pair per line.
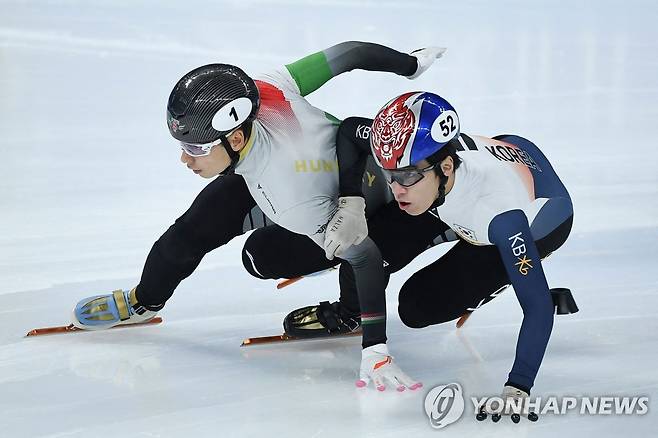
411,208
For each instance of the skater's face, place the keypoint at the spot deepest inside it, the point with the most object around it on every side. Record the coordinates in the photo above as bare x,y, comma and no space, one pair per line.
418,198
217,161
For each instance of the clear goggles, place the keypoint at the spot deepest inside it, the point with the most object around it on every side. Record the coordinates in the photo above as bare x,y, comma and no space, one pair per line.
199,150
406,177
202,150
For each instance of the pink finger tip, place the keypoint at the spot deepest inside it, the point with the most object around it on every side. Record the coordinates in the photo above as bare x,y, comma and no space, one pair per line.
381,388
400,388
415,386
360,383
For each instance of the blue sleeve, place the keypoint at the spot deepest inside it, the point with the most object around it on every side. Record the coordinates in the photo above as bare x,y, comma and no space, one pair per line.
510,232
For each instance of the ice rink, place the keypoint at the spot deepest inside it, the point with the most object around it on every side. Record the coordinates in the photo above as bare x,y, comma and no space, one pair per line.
90,178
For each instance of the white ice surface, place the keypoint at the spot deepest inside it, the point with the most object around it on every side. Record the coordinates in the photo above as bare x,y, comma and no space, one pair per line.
89,178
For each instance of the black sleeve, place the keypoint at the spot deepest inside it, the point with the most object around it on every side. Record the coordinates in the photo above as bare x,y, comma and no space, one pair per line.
215,217
352,150
314,70
353,55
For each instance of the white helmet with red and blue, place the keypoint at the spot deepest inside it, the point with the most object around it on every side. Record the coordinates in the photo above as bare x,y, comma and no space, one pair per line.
411,128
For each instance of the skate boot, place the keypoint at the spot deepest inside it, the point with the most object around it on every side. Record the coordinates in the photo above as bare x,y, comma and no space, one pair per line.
325,319
106,311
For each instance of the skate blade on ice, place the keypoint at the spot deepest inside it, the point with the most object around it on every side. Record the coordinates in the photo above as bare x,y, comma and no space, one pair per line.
71,328
287,338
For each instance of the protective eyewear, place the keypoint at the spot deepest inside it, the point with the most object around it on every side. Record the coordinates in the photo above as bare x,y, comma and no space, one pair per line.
202,150
199,150
406,177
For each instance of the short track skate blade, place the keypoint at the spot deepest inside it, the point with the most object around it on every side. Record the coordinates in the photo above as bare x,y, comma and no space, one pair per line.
463,319
286,338
287,282
71,328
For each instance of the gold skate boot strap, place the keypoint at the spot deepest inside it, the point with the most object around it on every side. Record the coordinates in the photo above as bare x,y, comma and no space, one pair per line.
132,296
122,305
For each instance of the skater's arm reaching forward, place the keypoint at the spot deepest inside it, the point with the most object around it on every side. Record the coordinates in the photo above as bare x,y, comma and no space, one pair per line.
313,71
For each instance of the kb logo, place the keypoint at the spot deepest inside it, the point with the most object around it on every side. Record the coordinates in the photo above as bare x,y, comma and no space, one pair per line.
519,249
444,405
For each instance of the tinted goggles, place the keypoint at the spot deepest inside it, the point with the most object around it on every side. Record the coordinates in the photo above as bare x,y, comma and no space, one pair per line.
406,177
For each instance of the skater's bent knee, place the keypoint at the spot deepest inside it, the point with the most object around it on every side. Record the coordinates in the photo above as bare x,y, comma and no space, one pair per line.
249,262
410,318
409,311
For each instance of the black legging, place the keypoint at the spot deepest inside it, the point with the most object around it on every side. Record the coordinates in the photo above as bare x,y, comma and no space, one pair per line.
274,252
461,280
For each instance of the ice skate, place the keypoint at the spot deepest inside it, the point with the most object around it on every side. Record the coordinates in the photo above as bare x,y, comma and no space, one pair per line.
106,311
324,319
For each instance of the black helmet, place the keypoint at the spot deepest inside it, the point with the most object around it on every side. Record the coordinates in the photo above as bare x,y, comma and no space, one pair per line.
209,102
